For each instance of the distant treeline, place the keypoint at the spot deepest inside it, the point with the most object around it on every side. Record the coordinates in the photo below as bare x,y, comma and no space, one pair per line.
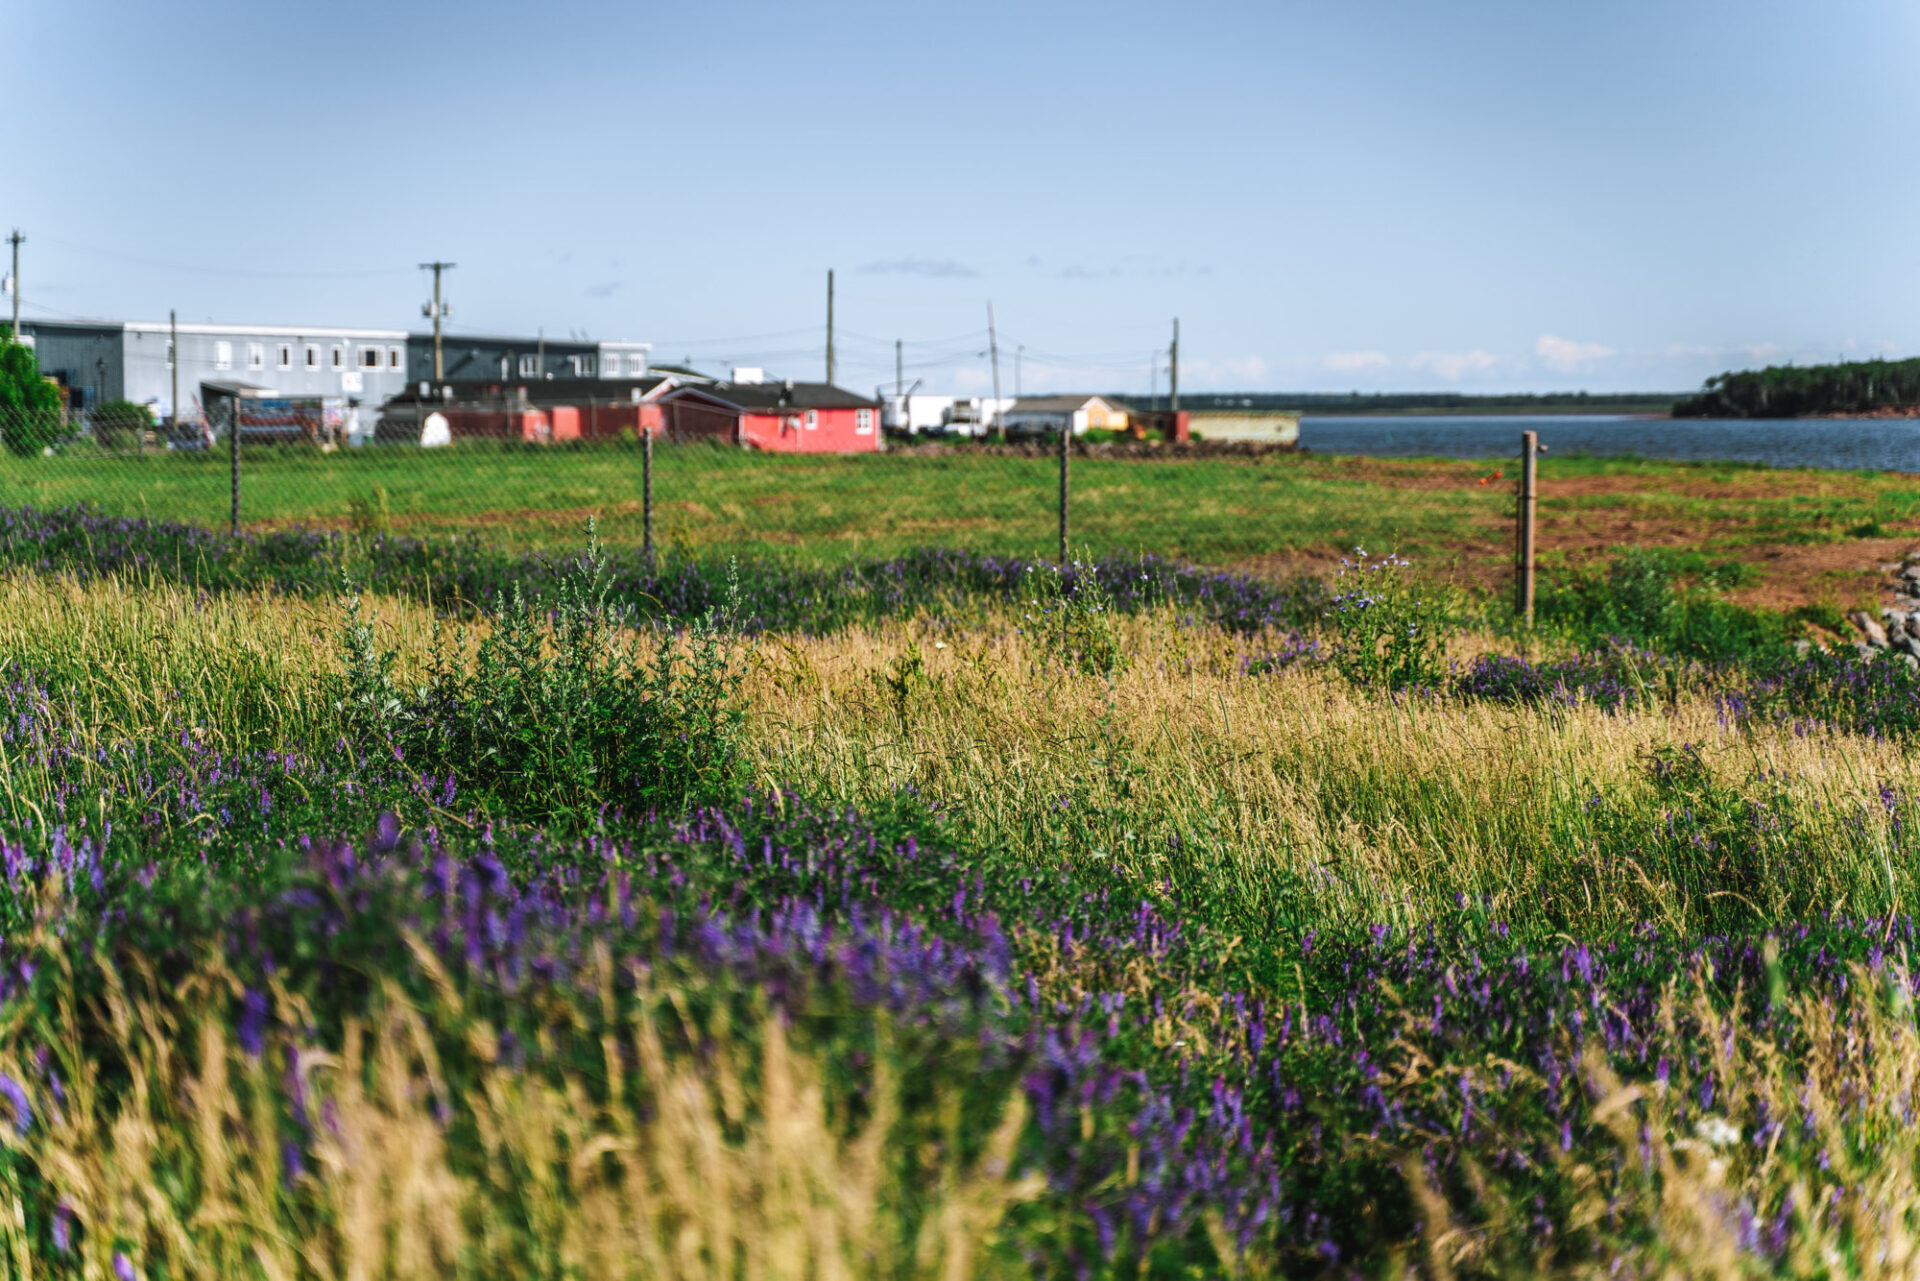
1793,391
1416,402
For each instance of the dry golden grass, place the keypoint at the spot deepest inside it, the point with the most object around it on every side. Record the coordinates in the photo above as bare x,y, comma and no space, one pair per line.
1317,802
167,1149
1370,808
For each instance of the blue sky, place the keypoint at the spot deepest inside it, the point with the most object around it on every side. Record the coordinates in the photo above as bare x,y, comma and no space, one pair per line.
1353,194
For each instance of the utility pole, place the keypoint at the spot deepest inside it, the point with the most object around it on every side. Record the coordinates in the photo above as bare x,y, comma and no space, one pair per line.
1019,351
829,326
1173,369
15,239
899,371
540,349
438,309
993,349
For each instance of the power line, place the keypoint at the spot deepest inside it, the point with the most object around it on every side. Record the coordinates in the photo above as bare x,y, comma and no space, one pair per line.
235,272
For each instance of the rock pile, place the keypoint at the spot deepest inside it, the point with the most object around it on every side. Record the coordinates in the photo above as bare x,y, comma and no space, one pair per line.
1897,630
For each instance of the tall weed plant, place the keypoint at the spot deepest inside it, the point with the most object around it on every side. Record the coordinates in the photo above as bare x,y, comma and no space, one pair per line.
1390,629
1072,612
564,707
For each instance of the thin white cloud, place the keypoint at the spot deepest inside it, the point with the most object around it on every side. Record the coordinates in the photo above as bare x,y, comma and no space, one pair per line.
1740,355
1568,356
937,268
1243,371
1452,366
1356,362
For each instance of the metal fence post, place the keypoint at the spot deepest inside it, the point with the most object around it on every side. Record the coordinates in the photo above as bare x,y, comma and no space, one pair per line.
233,454
1066,436
1524,583
646,491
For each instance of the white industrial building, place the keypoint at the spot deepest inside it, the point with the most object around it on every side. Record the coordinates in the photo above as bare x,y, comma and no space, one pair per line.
102,360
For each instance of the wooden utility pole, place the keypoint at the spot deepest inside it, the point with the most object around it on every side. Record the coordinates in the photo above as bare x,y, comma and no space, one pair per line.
1173,369
829,326
1529,465
1019,353
993,350
15,240
437,309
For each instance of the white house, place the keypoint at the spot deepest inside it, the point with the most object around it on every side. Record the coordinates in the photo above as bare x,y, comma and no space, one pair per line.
1050,415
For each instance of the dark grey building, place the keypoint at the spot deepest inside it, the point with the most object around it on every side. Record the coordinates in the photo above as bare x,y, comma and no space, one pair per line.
496,358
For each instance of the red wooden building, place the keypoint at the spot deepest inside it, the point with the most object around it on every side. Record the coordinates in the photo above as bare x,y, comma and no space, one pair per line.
783,417
541,412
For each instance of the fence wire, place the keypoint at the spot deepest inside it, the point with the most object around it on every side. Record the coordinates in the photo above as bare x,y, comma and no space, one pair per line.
1218,505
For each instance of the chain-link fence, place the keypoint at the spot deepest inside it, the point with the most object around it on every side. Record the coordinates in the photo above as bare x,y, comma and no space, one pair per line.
686,494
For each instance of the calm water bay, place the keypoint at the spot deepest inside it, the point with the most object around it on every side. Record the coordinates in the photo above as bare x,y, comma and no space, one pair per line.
1881,444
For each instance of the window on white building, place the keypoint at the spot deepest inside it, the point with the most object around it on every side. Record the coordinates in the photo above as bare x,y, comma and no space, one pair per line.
223,355
813,419
339,357
527,367
313,356
369,358
396,358
283,357
636,365
256,355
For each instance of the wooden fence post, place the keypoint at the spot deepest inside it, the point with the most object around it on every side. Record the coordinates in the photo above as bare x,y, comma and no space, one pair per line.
1529,497
233,451
1066,437
646,486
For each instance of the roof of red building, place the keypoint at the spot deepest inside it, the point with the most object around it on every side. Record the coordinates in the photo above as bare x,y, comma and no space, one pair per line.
774,398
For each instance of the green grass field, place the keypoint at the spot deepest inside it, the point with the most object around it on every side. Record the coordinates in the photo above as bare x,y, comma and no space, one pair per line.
1806,536
822,509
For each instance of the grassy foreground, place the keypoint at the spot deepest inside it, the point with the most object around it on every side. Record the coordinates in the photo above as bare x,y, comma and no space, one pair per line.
1033,926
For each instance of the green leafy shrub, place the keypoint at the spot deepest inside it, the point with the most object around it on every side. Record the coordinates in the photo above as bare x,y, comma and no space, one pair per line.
30,411
561,711
119,424
370,515
1639,596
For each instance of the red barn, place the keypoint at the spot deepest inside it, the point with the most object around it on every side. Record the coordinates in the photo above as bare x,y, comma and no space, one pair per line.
785,417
